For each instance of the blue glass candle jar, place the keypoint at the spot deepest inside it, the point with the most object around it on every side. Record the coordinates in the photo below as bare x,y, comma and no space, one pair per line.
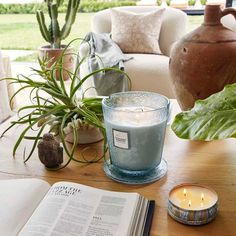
135,127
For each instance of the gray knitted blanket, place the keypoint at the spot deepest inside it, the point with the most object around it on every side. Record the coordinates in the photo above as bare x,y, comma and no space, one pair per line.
104,53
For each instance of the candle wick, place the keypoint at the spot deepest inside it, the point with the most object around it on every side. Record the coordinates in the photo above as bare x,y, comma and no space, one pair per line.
185,192
202,197
189,203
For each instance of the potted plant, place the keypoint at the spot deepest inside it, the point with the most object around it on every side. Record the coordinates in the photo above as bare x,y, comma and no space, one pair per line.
210,119
55,106
53,34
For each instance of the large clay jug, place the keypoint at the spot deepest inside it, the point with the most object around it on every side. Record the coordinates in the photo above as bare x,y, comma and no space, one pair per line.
204,61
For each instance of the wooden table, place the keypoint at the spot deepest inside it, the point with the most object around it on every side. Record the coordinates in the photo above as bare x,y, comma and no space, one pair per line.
207,163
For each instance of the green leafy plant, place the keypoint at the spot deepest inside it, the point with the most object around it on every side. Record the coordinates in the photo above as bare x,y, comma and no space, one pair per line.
60,107
209,119
54,34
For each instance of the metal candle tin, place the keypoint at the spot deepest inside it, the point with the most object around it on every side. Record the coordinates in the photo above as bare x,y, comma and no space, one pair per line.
181,212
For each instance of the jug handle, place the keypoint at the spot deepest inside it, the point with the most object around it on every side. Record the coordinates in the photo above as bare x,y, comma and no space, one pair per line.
229,10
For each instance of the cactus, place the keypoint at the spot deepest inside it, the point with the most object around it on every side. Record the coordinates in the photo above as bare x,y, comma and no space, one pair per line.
54,34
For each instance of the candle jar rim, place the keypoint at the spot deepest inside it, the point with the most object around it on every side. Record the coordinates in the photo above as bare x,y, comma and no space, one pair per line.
197,185
105,101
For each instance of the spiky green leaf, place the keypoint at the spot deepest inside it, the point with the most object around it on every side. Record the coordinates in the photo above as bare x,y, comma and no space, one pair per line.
42,26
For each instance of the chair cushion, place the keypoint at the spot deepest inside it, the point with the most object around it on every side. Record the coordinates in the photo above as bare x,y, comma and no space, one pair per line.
137,33
149,72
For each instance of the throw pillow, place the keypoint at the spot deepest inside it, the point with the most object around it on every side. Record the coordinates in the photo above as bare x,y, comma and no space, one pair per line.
137,33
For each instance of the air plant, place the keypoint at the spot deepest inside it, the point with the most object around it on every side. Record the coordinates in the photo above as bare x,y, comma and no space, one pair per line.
56,110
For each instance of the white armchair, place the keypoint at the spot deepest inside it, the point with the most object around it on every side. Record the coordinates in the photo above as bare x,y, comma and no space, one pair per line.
5,109
229,21
148,72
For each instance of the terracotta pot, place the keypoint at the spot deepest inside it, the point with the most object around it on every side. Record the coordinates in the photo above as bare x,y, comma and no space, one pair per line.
52,54
204,61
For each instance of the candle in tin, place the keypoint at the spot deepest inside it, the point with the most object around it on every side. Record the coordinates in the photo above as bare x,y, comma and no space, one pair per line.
192,204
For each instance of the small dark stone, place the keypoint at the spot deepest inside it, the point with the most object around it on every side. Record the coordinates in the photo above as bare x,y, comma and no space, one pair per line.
49,151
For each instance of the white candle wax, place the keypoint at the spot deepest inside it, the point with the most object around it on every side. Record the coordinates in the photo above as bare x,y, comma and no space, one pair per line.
193,197
140,116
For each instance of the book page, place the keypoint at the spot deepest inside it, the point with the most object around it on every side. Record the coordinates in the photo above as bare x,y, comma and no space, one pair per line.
18,200
72,209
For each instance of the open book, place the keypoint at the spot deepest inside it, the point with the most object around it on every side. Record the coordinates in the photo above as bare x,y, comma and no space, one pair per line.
30,207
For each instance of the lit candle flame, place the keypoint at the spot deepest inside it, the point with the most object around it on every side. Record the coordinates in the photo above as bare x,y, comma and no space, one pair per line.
185,192
202,197
189,203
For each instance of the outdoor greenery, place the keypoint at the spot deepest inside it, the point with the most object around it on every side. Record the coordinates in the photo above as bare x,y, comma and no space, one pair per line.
21,8
94,6
85,6
190,2
22,31
28,58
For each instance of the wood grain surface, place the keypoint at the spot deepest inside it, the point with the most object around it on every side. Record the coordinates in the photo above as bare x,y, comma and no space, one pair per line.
206,163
